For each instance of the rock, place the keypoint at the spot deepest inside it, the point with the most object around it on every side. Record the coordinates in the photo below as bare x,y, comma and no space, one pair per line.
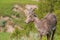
10,29
9,26
6,18
17,8
14,16
28,9
31,7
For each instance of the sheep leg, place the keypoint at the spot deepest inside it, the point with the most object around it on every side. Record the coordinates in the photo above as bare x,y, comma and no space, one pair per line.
48,36
40,37
53,34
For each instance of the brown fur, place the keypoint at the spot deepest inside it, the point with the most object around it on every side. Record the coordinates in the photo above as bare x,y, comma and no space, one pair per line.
45,26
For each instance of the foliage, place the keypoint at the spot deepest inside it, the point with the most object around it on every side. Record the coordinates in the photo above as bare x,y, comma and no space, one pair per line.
4,36
16,34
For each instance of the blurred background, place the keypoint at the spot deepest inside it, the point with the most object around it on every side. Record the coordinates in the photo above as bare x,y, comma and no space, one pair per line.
12,25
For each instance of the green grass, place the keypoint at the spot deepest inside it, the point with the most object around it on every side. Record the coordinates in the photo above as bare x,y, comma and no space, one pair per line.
32,36
4,36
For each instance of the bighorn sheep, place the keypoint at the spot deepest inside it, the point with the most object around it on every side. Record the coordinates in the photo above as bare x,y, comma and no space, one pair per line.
45,26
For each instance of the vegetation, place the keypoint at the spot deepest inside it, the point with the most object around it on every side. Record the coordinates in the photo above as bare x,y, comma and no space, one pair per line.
29,32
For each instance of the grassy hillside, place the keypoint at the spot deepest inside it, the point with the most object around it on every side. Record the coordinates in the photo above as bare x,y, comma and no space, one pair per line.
6,9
